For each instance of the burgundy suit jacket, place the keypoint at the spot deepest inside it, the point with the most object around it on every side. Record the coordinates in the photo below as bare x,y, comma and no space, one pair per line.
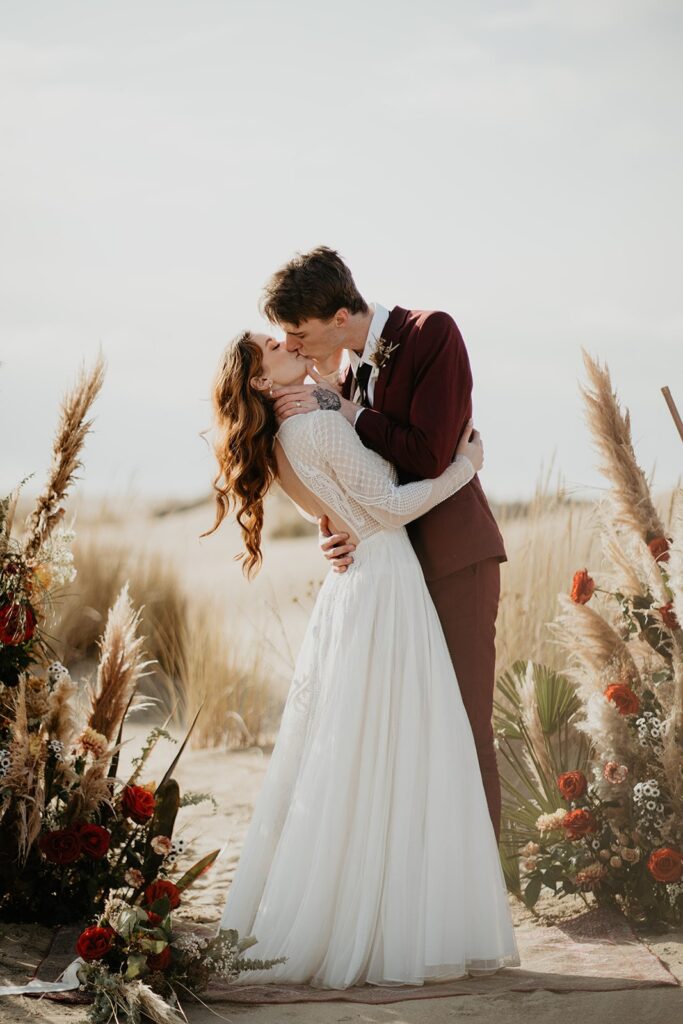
422,401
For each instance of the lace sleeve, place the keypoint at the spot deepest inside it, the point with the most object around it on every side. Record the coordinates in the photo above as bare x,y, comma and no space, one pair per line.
369,478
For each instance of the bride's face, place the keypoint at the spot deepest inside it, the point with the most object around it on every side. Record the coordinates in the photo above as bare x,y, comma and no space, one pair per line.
283,367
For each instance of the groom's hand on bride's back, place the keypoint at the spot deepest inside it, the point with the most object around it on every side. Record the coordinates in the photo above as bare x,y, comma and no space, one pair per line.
336,547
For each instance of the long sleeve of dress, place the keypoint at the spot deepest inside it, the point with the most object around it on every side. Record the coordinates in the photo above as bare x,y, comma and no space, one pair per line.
370,479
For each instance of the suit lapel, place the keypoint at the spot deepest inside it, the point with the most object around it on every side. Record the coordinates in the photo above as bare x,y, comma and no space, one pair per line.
392,334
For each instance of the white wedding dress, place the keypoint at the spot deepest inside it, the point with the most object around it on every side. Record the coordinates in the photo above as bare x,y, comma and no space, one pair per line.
371,857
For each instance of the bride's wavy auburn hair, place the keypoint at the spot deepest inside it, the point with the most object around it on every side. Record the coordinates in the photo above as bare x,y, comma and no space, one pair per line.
245,427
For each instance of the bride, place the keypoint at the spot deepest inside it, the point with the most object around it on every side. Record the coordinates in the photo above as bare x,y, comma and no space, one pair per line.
370,857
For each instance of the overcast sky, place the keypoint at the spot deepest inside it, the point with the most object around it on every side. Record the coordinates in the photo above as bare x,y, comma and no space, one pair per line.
516,164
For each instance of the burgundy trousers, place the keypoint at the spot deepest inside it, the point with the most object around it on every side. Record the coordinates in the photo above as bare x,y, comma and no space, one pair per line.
467,605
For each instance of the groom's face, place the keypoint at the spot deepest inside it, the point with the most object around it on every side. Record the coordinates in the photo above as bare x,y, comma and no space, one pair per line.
315,339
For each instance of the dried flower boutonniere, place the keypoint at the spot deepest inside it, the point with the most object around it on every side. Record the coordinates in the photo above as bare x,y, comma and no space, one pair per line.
382,353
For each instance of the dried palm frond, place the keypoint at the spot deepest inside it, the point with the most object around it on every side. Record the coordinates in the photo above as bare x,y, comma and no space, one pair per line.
610,736
71,432
16,777
148,1003
25,777
672,740
8,507
593,643
121,665
620,556
528,707
128,1000
61,718
611,431
675,566
96,786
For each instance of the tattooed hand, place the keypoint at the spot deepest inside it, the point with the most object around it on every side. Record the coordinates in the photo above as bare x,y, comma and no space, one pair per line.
290,401
327,399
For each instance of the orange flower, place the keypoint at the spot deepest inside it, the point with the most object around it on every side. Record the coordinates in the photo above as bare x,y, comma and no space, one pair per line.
659,549
669,616
583,587
578,823
623,696
665,864
572,784
42,576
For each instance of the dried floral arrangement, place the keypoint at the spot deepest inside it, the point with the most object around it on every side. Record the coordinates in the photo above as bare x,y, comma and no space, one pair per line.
593,794
136,965
77,842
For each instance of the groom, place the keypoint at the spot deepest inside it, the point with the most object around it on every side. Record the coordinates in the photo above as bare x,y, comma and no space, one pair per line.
408,393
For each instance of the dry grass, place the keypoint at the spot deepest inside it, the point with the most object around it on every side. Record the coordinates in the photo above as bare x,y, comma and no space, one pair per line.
195,660
102,570
239,708
546,542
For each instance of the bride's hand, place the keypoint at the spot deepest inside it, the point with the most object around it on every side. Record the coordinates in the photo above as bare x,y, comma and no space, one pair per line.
470,444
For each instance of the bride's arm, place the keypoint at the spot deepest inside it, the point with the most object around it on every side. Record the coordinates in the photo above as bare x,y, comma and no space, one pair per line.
368,478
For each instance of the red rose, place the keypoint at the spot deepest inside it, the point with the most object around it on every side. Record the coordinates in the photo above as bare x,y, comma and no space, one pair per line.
623,696
162,887
17,623
95,840
572,785
583,587
665,864
95,942
659,549
138,803
63,846
159,961
669,616
578,823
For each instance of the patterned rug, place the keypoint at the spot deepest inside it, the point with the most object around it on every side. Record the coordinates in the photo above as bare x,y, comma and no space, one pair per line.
596,951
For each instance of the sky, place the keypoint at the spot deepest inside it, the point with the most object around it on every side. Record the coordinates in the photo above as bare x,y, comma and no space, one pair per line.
518,164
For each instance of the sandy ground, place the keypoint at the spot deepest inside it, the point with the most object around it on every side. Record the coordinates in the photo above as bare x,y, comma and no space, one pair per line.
235,779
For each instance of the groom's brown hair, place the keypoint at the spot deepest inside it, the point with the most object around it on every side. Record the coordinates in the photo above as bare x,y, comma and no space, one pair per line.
313,285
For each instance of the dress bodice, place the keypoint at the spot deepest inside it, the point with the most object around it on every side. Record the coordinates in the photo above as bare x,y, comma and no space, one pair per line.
355,482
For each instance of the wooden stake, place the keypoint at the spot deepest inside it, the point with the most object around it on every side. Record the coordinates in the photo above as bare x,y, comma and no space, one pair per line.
674,411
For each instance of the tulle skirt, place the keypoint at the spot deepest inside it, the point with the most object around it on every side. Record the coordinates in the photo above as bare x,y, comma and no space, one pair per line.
371,856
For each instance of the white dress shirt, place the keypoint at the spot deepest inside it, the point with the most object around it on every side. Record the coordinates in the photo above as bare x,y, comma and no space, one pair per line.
377,325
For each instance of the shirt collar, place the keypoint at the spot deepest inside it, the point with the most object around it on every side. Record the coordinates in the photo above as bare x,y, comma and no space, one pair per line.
377,325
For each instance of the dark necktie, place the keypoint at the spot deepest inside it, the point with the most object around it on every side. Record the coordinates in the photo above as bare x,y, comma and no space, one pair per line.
363,371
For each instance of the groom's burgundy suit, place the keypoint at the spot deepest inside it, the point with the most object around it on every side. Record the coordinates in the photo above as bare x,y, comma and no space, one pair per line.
422,401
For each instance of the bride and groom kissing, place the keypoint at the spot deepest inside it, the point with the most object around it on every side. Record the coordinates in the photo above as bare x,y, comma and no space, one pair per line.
372,854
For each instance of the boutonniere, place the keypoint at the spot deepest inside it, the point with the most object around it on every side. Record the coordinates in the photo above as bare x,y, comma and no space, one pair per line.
382,353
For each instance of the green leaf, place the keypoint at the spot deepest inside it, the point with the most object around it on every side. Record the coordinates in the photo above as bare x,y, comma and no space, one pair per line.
174,762
136,965
162,906
162,823
152,945
198,869
128,920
